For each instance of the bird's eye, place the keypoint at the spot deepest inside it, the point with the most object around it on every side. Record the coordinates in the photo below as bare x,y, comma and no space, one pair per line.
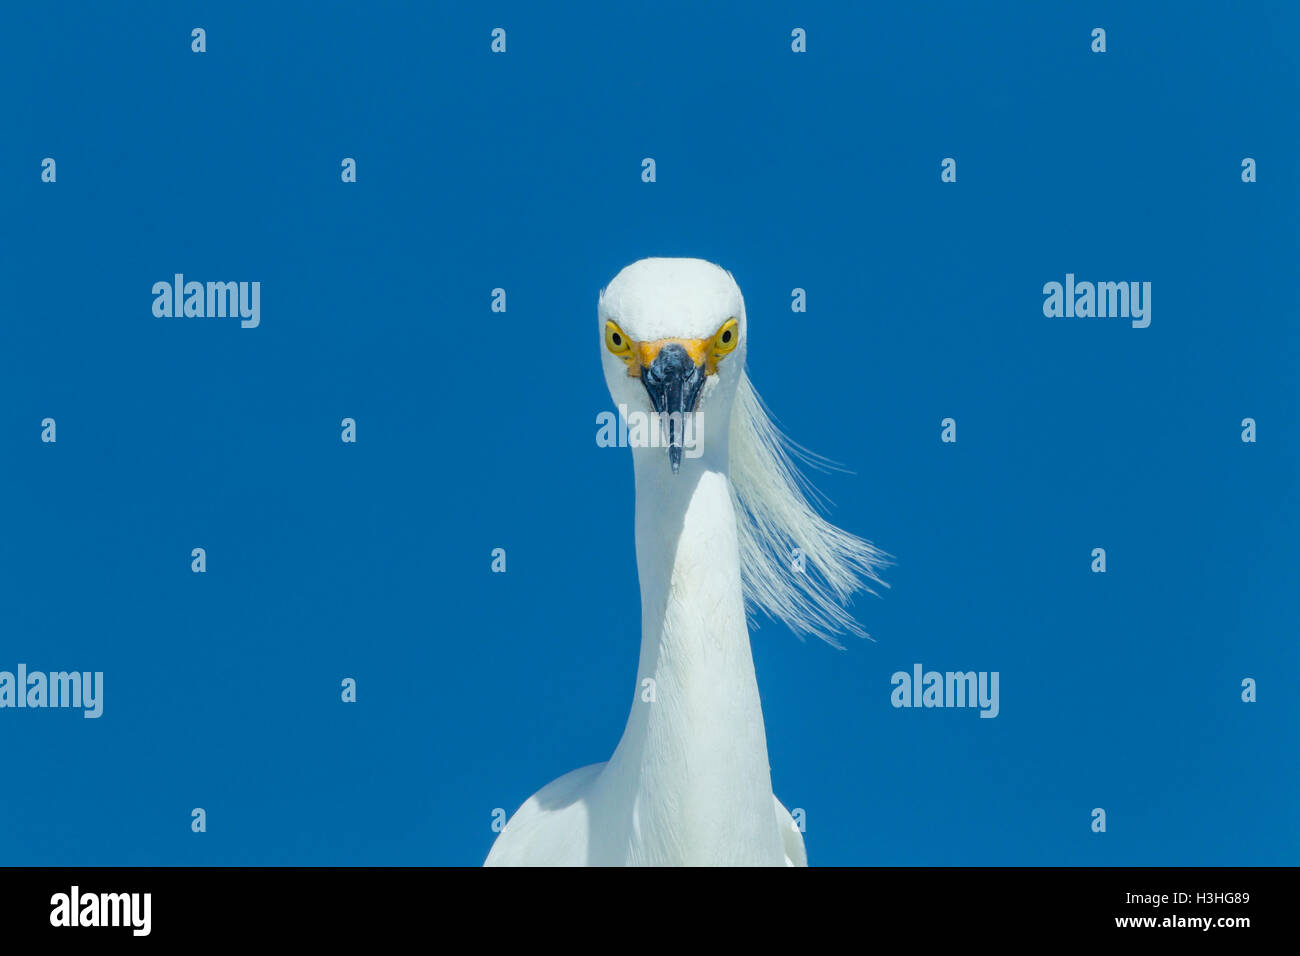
726,338
617,342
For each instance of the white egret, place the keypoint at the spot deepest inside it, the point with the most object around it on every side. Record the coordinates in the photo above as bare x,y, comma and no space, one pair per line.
689,783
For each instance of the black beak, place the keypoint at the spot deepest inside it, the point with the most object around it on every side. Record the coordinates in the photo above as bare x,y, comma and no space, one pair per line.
674,383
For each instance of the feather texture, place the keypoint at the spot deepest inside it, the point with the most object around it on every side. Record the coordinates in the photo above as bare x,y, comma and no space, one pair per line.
776,511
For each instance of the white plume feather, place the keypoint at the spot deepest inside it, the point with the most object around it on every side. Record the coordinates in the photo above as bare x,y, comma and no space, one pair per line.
774,515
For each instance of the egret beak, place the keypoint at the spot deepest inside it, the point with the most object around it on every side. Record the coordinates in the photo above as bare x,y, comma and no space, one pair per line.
674,382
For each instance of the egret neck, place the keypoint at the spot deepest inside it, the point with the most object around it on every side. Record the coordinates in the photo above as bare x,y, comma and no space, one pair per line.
692,762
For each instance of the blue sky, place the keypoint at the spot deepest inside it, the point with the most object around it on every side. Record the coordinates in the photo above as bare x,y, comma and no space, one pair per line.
476,430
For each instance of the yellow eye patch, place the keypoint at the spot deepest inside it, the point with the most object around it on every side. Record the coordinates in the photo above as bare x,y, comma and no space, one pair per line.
617,342
725,341
639,355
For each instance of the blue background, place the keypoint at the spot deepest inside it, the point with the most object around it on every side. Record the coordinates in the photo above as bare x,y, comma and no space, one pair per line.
476,430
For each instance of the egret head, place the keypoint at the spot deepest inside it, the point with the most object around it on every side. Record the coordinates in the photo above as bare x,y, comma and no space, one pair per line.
672,341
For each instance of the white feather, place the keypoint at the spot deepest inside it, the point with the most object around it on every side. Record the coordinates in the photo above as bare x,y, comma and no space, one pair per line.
774,515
